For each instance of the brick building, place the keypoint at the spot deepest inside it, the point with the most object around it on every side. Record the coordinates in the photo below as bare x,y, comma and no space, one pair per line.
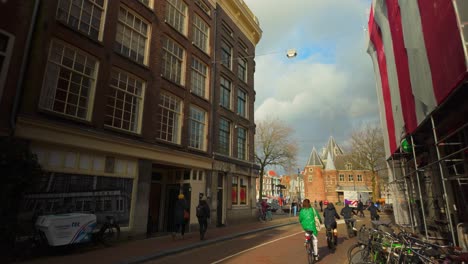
329,174
129,103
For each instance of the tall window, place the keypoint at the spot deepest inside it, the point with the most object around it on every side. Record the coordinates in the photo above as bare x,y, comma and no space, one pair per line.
69,81
170,114
148,3
197,128
242,103
226,55
199,78
242,70
176,15
242,143
125,101
83,15
309,178
173,60
341,177
200,33
225,95
203,6
6,48
224,137
349,166
350,177
132,36
359,178
239,190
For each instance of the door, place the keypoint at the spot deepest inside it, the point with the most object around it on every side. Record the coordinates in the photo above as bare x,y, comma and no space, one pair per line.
171,199
219,208
154,206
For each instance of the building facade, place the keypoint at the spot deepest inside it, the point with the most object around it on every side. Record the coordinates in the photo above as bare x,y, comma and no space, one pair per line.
122,104
328,175
419,52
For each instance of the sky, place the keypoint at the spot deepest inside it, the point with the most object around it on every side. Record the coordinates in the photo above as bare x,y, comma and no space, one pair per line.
329,88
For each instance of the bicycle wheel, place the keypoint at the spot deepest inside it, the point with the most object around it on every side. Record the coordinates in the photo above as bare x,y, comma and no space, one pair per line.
310,253
354,248
110,234
360,256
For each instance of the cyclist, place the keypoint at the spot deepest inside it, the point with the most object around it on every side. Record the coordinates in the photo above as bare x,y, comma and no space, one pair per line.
307,220
347,213
330,214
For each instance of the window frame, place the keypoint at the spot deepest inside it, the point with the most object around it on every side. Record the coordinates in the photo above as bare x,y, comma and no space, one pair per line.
202,136
341,177
242,111
177,121
236,198
140,98
225,95
224,137
359,178
242,65
242,146
118,47
201,34
226,54
92,79
174,5
66,21
350,177
172,57
204,77
5,66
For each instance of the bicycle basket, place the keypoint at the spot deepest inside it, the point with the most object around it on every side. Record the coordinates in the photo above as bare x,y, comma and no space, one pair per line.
363,235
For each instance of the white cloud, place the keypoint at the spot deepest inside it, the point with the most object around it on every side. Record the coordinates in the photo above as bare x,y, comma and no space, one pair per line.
329,88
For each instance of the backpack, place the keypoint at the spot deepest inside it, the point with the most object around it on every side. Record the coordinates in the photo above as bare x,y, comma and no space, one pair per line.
200,211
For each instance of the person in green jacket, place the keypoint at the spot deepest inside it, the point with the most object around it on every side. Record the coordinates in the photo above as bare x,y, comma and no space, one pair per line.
307,220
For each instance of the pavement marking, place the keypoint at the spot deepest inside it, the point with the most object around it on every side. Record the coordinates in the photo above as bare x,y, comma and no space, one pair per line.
261,245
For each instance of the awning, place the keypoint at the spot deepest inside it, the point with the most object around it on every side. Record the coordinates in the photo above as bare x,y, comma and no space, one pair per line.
353,188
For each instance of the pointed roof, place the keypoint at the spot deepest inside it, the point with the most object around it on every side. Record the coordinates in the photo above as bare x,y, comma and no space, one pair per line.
332,148
330,164
314,159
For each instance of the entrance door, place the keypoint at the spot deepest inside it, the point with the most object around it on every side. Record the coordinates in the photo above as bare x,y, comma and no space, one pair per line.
219,208
171,199
154,205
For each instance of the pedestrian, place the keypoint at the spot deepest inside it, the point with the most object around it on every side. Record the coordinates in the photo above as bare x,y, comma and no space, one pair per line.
307,220
329,215
315,204
203,213
180,216
373,211
360,208
321,206
294,207
264,209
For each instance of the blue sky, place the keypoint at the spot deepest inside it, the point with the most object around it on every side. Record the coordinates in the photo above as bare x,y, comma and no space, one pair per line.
329,88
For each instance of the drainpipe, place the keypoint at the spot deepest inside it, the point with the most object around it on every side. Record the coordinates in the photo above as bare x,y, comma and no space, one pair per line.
24,62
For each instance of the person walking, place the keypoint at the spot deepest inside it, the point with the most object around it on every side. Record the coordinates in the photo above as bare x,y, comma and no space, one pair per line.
294,207
321,206
180,213
307,220
360,208
315,204
203,213
329,214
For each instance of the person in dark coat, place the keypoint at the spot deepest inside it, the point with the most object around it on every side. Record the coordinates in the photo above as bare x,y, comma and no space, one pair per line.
347,213
321,206
373,211
329,214
360,208
203,213
179,220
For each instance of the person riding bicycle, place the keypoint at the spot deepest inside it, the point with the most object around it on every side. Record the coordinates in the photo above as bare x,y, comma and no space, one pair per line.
307,220
360,208
347,213
330,214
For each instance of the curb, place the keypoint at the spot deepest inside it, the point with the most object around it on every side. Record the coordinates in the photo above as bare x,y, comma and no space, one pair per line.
164,253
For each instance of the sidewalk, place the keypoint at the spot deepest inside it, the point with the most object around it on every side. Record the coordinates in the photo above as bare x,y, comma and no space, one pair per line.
139,251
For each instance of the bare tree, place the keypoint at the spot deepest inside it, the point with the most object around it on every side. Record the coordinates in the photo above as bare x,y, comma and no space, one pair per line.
274,147
368,152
